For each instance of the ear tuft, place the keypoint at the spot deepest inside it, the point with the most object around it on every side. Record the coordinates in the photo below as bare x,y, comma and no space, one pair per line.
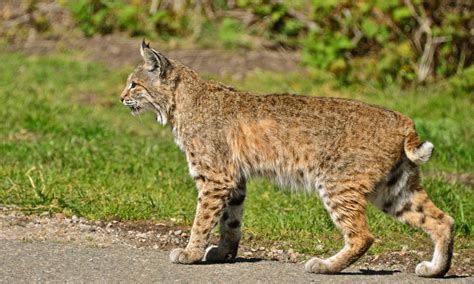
144,46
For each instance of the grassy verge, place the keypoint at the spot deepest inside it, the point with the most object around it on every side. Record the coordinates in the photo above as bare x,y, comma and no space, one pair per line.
67,145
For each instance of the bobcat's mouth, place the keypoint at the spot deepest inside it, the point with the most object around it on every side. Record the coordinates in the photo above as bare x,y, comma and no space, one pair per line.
134,107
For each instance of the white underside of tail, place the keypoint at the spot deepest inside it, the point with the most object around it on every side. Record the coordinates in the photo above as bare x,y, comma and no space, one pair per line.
422,154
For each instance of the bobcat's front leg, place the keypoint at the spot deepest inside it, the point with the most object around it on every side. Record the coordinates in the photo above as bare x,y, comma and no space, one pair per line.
213,193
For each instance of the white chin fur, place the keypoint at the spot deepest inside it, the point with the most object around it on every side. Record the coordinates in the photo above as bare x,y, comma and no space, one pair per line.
161,118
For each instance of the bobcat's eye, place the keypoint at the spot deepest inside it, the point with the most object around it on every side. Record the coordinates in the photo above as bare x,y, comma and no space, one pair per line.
132,85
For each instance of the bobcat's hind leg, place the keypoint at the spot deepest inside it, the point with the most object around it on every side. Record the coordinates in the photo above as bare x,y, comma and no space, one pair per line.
230,223
413,206
346,206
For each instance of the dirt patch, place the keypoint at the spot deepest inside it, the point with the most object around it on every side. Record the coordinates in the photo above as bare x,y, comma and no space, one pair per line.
22,135
119,50
152,235
463,178
19,27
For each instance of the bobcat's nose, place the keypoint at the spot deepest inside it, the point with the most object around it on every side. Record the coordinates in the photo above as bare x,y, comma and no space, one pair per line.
121,99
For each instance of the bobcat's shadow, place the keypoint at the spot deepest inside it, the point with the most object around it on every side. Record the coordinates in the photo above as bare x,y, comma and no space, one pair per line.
249,260
370,272
236,260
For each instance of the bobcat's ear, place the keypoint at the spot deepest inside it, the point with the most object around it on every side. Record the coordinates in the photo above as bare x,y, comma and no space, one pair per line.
153,59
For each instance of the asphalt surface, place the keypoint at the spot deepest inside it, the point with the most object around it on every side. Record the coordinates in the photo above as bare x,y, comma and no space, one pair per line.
42,261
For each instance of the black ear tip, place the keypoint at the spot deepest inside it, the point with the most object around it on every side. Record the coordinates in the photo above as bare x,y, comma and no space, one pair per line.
144,44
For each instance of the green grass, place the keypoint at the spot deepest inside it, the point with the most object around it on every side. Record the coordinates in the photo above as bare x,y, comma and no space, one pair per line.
67,145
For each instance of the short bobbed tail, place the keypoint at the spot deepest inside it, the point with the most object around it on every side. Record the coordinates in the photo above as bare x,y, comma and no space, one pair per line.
416,151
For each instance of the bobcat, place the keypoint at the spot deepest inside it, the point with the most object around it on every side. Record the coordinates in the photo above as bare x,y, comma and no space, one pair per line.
346,151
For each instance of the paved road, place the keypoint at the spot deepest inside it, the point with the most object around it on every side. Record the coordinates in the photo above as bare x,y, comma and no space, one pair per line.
37,261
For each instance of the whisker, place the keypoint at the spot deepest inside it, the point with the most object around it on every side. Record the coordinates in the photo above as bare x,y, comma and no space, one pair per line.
139,116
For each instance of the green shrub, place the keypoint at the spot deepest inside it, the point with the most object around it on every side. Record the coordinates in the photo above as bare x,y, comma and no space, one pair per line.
463,83
382,41
390,33
107,16
92,16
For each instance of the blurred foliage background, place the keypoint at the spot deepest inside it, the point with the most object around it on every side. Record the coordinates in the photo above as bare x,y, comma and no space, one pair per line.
391,41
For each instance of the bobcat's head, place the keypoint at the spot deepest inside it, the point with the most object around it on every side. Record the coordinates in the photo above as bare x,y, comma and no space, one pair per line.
151,86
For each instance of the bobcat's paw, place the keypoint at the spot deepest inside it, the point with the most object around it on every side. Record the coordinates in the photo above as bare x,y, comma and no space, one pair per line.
217,254
427,269
185,256
319,266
